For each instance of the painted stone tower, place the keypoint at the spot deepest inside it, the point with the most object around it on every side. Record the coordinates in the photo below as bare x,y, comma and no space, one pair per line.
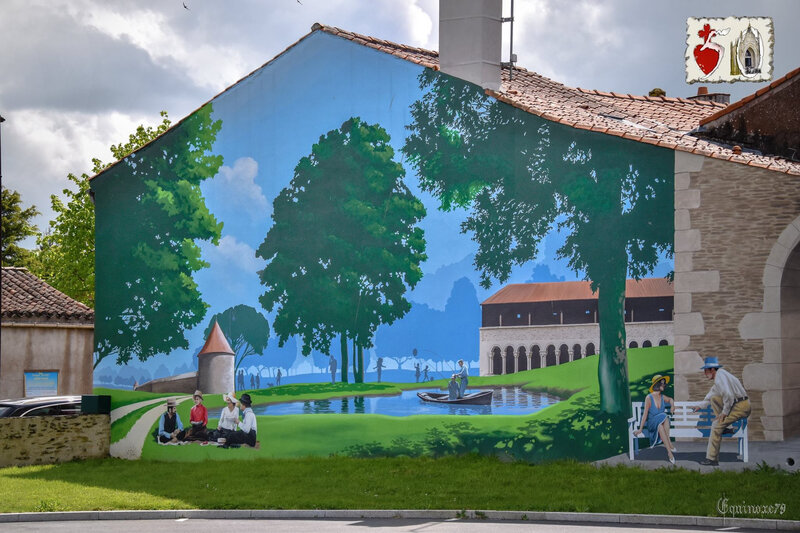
215,364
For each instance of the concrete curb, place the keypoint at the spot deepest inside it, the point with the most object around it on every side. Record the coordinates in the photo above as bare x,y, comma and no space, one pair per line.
532,516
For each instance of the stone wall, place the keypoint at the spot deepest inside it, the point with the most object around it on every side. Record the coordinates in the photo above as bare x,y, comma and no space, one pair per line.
736,228
66,348
53,439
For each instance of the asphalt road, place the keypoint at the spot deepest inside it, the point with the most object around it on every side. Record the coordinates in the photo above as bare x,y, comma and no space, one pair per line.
330,526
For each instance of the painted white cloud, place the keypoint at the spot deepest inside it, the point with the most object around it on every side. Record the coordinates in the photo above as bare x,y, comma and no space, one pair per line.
238,182
232,254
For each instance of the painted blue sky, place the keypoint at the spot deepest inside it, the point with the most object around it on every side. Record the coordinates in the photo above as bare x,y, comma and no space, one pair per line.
270,121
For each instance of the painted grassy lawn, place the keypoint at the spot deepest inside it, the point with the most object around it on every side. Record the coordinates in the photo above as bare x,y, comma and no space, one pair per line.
120,398
571,428
465,482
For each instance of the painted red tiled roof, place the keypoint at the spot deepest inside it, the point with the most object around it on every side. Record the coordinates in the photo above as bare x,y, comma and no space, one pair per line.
747,99
27,298
575,290
216,342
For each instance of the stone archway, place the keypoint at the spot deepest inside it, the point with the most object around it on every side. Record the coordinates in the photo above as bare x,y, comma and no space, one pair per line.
777,377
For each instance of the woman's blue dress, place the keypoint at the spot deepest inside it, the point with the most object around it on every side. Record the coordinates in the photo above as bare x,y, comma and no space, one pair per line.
655,416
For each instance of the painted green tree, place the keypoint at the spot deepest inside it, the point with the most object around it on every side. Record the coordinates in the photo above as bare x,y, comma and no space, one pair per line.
520,175
344,246
246,330
150,213
65,258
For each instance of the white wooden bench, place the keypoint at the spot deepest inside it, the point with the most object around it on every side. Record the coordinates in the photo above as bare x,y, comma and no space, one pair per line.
685,423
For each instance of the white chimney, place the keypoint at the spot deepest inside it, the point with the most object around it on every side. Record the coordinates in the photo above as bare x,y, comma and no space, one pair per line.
470,37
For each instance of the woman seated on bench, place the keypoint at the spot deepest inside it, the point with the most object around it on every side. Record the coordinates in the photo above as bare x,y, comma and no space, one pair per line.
655,421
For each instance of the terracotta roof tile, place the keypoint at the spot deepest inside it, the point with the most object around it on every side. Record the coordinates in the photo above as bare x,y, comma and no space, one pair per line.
575,290
670,121
216,342
27,298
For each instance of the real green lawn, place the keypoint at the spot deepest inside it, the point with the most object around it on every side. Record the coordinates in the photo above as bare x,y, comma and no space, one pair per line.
465,482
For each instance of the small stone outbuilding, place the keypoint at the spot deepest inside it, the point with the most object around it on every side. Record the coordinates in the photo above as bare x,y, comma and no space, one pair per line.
46,339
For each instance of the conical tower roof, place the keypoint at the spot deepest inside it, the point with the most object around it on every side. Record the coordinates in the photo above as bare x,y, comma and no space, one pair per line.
216,342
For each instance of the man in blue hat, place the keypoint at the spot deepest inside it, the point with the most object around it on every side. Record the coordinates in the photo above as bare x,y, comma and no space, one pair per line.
729,401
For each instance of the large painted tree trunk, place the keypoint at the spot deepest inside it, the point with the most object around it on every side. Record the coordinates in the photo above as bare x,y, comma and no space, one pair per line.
612,370
343,345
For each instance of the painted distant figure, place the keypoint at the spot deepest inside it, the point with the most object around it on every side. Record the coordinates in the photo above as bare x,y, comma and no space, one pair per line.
379,367
417,372
452,389
252,381
258,380
425,374
332,366
463,374
240,380
278,377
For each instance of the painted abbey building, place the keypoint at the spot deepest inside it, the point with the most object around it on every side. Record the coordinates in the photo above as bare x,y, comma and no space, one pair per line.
736,200
534,325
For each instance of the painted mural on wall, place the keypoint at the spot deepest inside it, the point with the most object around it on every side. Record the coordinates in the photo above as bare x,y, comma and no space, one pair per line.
313,247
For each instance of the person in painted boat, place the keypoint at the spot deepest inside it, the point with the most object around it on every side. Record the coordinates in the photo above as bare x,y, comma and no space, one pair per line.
170,427
463,376
729,401
452,389
198,418
228,419
655,420
247,429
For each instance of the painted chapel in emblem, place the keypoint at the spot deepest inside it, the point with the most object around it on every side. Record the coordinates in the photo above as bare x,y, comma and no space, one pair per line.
726,50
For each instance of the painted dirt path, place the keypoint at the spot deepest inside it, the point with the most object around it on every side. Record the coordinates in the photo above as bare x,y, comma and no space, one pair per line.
130,446
119,412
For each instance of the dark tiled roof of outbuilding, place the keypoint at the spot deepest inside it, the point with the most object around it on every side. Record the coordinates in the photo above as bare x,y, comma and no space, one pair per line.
27,298
661,121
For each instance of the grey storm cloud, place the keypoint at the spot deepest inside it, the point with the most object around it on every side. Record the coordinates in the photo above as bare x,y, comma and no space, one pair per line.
58,64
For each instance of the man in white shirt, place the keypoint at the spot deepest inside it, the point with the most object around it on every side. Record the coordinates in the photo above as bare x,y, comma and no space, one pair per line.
248,427
729,401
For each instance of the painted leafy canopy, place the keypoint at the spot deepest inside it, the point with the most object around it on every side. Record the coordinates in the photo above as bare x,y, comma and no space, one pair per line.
344,245
520,174
153,212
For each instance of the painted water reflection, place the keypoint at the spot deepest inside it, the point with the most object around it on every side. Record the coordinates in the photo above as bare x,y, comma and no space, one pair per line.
505,401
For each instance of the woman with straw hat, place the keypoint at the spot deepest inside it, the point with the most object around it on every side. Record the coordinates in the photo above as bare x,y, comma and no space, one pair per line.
655,421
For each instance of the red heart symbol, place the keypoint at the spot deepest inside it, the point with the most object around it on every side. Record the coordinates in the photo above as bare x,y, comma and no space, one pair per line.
706,59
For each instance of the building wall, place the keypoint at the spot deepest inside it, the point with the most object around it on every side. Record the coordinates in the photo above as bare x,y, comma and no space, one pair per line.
569,334
53,439
40,347
737,232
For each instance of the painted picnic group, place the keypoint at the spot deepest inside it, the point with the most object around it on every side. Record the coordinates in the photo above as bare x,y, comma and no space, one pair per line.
727,398
230,431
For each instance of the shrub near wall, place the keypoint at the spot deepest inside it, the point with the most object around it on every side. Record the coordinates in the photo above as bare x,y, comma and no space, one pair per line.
53,439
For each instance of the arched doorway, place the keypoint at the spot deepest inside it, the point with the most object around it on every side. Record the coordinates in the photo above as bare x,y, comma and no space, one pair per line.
510,360
550,358
647,344
536,357
590,350
633,344
790,340
497,362
522,359
563,354
663,342
576,352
